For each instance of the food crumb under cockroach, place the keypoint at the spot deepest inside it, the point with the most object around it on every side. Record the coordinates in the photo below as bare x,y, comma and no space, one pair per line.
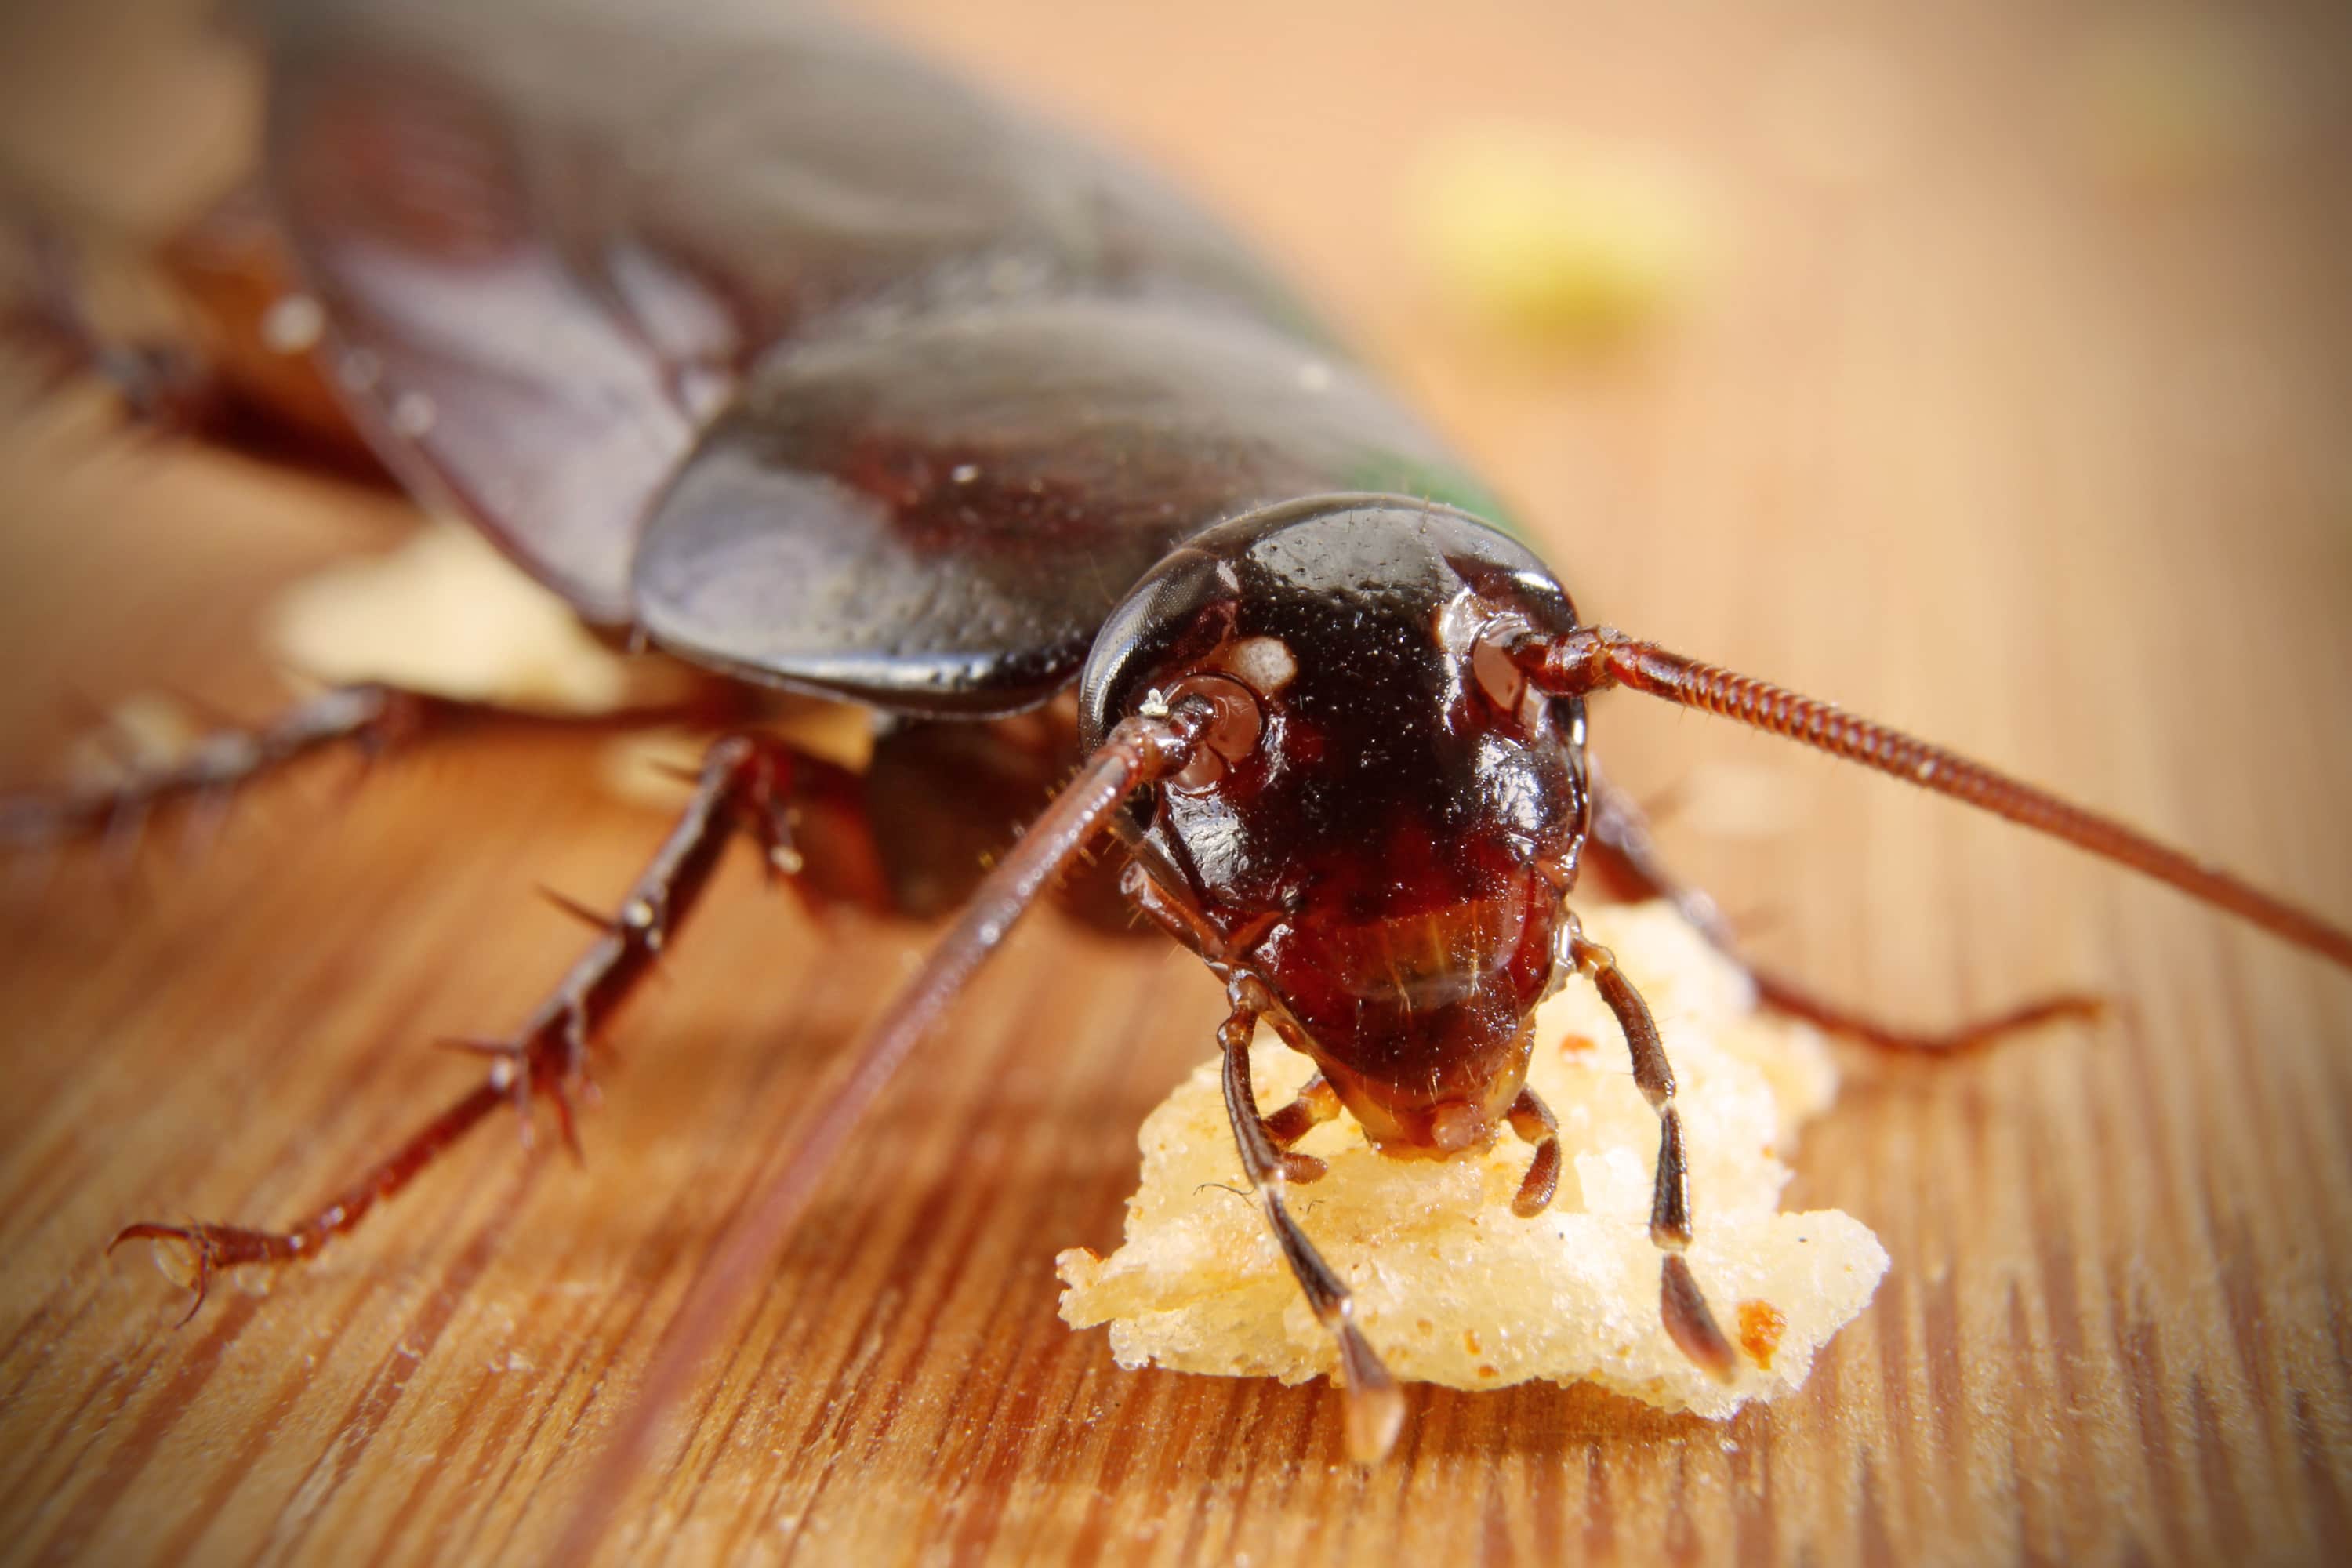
445,614
1447,1282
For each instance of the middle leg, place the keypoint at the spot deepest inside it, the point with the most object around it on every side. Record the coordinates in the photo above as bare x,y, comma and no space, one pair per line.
1682,1306
746,782
1629,858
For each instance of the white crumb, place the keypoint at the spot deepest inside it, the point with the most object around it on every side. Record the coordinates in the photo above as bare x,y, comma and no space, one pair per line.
446,614
1453,1288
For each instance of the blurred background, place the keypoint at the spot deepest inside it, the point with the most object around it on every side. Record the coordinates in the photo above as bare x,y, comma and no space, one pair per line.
1985,367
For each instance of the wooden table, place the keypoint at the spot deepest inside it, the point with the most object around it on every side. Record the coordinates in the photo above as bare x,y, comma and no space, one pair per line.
1987,436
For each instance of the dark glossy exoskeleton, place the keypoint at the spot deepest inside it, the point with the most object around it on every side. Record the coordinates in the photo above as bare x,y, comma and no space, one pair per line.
1381,826
768,346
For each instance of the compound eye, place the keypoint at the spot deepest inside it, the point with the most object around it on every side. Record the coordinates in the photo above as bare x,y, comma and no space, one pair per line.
1236,724
1499,678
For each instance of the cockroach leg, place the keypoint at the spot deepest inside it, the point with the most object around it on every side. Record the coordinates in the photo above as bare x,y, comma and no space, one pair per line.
1532,1120
1622,848
1681,1304
370,719
1375,1409
746,782
1139,750
161,386
1171,914
1317,1103
1786,996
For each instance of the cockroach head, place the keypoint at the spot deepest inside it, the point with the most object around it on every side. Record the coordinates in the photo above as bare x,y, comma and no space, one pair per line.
1384,814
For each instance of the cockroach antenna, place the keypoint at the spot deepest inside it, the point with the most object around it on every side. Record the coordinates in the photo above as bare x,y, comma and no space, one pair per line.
1139,751
1593,658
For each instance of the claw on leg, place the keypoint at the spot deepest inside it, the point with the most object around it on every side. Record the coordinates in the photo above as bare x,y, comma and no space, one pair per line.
200,1258
1374,1406
210,1247
1689,1322
1622,851
1682,1306
548,1057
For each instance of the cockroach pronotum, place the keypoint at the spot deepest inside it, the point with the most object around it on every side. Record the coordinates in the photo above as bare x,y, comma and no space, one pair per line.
776,351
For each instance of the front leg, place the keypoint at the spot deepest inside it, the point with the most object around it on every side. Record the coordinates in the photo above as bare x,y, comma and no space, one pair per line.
1682,1306
1624,851
746,781
1375,1409
1316,1101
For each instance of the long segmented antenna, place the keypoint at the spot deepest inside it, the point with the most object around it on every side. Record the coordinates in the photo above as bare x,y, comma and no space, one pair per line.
1139,750
1595,657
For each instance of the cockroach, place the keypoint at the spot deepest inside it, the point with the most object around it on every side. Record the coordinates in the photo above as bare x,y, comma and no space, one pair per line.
769,347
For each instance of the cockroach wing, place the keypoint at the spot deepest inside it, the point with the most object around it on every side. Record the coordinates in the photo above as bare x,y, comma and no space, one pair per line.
551,234
936,513
486,368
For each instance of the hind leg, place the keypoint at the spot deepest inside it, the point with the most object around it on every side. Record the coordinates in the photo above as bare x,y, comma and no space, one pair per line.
749,784
368,720
232,363
1627,856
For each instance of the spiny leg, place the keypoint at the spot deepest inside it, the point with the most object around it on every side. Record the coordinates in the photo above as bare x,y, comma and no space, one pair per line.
1621,839
1532,1120
235,368
44,317
371,719
1681,1305
1375,1410
746,781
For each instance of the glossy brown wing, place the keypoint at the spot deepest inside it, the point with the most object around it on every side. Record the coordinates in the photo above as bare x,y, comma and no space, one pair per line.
936,512
552,233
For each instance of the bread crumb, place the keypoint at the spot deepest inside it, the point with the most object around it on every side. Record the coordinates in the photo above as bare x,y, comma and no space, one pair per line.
1760,1328
446,614
1553,240
1449,1285
657,767
141,733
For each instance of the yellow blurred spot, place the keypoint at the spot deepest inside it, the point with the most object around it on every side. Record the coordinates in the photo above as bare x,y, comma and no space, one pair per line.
445,614
1553,240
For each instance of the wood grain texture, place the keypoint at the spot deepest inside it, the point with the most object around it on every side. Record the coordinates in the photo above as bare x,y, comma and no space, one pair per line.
2043,464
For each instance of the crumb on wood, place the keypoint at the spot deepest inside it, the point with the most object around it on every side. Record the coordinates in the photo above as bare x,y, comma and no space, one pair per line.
1451,1287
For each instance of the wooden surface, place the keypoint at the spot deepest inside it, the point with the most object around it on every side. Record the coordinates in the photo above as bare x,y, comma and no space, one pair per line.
2042,459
